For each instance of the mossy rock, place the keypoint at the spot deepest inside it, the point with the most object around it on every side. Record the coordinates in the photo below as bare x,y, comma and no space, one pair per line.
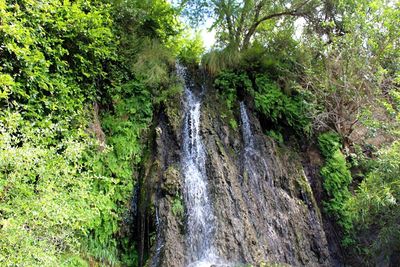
173,109
172,180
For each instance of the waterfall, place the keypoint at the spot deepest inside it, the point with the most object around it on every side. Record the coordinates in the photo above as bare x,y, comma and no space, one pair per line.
246,129
253,161
160,241
200,218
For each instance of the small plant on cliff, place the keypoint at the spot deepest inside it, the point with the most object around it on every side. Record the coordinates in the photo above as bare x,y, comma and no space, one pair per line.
177,206
233,124
275,135
337,179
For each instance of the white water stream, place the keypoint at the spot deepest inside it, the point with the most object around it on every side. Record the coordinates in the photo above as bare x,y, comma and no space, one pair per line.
253,161
200,218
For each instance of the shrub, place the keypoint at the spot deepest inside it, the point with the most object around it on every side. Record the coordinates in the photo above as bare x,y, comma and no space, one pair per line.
375,207
50,199
228,83
278,107
337,179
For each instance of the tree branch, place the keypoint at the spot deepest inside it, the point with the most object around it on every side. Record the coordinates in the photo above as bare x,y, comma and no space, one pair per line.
252,29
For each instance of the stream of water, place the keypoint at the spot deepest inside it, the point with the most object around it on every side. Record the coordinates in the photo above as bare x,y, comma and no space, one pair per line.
200,218
253,161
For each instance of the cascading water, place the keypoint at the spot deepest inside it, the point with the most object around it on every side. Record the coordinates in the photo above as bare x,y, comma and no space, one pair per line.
200,218
252,159
159,239
257,170
246,129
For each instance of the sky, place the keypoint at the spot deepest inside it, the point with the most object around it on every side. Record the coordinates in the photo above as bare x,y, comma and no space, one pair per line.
207,36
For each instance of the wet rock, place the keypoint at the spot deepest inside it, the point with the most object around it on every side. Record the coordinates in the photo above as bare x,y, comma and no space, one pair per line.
274,219
172,181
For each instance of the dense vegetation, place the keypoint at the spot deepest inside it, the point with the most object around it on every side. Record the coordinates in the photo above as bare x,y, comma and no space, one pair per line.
337,179
81,80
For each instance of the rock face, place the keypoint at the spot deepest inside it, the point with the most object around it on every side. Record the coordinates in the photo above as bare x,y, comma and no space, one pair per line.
272,218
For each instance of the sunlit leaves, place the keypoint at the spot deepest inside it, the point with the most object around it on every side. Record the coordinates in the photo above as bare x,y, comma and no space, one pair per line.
336,182
52,43
49,196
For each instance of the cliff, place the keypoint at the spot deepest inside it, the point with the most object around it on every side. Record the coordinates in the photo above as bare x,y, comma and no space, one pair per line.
263,206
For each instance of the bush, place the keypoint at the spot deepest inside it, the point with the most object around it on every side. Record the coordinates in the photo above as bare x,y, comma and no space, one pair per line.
337,179
50,199
375,207
228,83
53,53
278,107
61,198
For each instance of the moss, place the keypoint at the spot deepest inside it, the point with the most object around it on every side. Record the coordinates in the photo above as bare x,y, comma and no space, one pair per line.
173,110
304,185
245,177
299,237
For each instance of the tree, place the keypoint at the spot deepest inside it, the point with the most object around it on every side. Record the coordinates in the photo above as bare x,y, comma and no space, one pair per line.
237,22
353,72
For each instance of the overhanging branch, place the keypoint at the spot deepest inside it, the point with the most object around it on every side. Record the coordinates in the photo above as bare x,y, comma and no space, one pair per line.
293,12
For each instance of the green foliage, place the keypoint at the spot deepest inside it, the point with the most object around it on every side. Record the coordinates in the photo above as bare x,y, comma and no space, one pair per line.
277,106
53,64
376,205
275,135
337,179
124,128
269,99
63,195
233,123
177,206
191,51
329,143
50,200
51,59
150,39
237,22
219,60
228,83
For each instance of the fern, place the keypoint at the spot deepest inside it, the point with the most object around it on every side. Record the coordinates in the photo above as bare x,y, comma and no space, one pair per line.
337,179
